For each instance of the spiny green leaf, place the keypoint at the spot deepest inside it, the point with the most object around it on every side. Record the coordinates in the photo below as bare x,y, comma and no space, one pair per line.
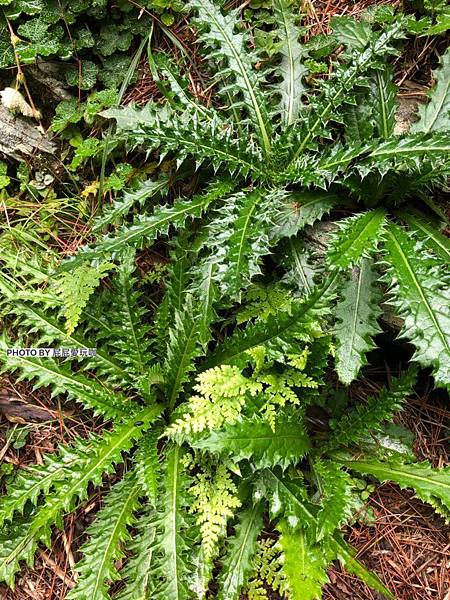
182,348
174,566
147,465
33,319
429,233
31,482
256,441
97,570
299,209
240,550
288,498
413,146
303,563
62,380
291,68
350,32
419,291
435,116
130,338
101,460
137,572
120,208
218,31
347,556
238,238
354,425
384,101
336,500
344,80
356,313
430,484
301,265
357,237
146,228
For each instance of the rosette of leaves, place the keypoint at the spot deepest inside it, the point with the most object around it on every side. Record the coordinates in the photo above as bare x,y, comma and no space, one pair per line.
297,152
199,439
212,407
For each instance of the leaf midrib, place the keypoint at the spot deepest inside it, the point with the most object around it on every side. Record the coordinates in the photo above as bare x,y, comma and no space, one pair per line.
99,579
423,297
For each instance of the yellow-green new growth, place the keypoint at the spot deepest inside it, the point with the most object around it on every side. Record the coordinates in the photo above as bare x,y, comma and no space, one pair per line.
74,289
216,498
221,397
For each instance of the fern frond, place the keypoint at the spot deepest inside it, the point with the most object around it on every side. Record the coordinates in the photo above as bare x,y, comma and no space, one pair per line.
131,198
97,570
217,31
260,301
356,312
419,291
240,550
106,452
357,238
62,380
430,484
435,116
304,563
137,572
354,425
291,69
76,287
267,572
215,500
221,396
255,439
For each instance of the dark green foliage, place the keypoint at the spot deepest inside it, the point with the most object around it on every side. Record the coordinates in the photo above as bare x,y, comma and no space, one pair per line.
209,391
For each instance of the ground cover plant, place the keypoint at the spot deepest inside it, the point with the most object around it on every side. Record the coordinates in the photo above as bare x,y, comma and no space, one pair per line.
237,462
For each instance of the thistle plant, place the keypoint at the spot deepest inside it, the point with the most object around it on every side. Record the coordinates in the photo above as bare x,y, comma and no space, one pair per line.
212,396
